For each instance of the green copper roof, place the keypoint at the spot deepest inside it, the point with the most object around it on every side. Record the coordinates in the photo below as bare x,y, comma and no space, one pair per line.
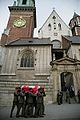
27,3
75,15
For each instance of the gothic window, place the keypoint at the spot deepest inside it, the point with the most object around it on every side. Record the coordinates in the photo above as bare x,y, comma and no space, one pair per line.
75,23
38,31
78,21
56,44
54,18
54,27
54,24
24,2
59,26
27,59
49,26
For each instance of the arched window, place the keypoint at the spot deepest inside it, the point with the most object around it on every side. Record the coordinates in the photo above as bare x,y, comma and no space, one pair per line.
56,44
24,2
27,59
59,26
49,26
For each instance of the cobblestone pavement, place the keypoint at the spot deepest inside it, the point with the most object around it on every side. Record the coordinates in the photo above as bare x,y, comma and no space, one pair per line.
53,112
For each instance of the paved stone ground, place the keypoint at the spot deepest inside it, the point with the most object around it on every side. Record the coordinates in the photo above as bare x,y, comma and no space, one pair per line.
53,112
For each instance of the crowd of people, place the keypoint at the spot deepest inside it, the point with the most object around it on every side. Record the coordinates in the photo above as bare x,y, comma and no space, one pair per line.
67,96
28,104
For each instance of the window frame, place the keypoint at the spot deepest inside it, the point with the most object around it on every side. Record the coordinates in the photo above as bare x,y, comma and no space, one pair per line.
25,54
59,26
24,2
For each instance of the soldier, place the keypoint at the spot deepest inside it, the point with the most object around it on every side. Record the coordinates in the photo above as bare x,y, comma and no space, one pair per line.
15,100
58,97
72,93
30,104
61,97
78,93
68,96
43,93
20,102
39,104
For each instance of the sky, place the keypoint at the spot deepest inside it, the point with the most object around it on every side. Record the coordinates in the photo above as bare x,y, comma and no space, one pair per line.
64,8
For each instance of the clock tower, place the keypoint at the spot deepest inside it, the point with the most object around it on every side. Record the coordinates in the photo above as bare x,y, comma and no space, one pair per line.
22,21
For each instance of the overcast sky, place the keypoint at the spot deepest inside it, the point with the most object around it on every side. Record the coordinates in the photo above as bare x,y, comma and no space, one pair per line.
64,8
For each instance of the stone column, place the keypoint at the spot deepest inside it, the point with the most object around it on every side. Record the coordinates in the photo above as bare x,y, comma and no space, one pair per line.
54,75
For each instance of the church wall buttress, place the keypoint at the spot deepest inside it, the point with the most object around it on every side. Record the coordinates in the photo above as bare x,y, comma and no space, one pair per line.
9,64
43,60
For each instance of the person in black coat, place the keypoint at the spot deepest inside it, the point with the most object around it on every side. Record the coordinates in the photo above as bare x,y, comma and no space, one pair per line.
15,100
78,94
59,97
20,102
30,103
39,104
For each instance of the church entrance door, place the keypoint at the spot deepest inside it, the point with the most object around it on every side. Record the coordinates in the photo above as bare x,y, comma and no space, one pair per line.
66,80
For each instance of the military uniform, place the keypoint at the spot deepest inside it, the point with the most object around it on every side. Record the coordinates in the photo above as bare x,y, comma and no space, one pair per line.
59,97
15,100
30,104
39,104
43,107
20,103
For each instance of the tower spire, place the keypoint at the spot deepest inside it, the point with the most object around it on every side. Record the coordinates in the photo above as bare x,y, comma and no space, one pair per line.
75,15
75,24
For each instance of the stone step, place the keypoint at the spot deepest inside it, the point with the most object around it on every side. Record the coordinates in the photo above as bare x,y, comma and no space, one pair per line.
11,90
20,84
24,83
7,76
13,86
8,84
44,77
20,80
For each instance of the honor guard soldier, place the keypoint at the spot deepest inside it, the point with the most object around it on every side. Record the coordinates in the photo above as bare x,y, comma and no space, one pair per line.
39,104
30,103
20,102
15,100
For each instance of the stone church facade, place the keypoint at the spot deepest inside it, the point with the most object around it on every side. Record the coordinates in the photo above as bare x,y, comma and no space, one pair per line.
25,60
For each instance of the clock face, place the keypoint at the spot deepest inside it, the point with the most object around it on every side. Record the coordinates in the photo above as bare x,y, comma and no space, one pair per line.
20,22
